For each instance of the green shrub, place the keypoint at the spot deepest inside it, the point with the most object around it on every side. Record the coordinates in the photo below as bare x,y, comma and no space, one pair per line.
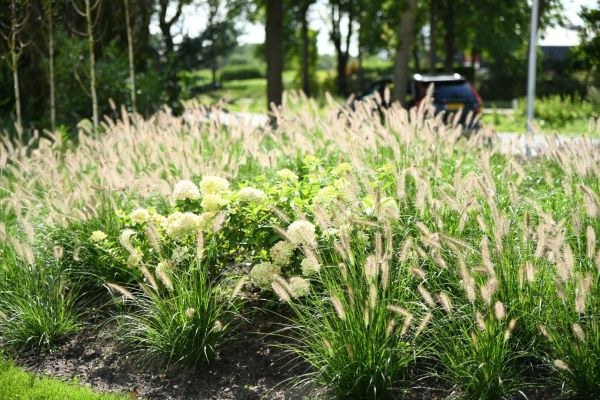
241,72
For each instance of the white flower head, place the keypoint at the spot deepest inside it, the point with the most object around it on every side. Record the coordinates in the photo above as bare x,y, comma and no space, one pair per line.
389,209
134,259
286,174
263,274
98,236
310,266
213,184
185,190
125,239
299,286
182,225
213,202
139,215
301,232
250,194
282,252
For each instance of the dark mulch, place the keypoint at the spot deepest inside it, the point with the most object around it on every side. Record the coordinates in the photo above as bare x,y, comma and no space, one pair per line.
250,368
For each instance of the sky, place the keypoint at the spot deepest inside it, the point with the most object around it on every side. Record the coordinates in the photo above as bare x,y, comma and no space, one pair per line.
194,20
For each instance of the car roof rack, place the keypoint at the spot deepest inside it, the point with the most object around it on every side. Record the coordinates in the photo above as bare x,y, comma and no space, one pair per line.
439,78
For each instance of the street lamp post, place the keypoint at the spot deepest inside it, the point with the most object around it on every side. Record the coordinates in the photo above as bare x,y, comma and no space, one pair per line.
531,69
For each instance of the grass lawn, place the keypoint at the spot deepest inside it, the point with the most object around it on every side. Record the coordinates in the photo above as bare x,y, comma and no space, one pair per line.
511,123
16,384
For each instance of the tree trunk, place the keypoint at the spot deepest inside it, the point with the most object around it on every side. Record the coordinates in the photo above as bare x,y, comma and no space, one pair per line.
432,37
90,35
15,73
405,43
50,19
15,53
449,36
131,59
305,52
165,25
274,42
213,71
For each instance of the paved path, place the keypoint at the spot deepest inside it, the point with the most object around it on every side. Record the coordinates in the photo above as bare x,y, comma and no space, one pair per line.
514,142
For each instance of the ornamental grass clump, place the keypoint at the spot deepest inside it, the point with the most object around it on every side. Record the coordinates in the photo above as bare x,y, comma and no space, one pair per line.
37,303
356,325
177,316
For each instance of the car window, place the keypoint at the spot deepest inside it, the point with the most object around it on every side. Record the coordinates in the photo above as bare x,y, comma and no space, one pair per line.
452,91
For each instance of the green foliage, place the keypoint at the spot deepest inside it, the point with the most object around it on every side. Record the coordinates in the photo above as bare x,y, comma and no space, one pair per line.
16,384
241,72
557,111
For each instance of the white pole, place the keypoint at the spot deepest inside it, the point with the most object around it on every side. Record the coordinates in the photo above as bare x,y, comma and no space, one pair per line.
532,64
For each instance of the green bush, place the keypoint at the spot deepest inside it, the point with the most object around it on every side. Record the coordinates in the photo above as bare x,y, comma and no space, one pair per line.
558,111
241,72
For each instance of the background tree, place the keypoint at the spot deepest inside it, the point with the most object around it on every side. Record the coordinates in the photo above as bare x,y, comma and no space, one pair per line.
274,51
130,53
406,36
12,34
86,12
342,10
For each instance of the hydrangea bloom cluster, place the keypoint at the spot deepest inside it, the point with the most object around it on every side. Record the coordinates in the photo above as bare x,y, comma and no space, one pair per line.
185,190
282,252
299,286
213,202
287,175
139,216
310,266
389,209
301,232
262,274
98,236
250,194
180,226
213,185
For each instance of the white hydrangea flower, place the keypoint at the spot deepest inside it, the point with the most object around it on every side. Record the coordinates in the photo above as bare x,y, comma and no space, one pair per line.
182,225
282,252
299,286
157,219
388,209
98,236
125,239
262,274
301,232
205,221
213,184
213,202
251,194
325,195
288,175
310,266
139,215
185,190
134,259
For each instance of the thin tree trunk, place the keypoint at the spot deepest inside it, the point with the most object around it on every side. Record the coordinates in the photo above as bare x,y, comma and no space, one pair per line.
405,43
214,73
449,36
15,54
15,73
432,37
50,18
131,55
90,35
305,53
274,42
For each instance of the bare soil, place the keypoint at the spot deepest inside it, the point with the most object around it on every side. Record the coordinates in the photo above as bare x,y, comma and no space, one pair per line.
249,368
